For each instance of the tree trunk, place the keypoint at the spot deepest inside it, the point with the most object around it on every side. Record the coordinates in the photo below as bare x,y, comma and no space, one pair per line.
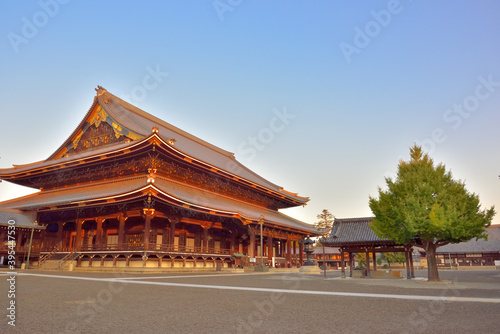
432,270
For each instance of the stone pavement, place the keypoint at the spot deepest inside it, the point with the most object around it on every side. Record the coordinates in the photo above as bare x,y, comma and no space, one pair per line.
280,302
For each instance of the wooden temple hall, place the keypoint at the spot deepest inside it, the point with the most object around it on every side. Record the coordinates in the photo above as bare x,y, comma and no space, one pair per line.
127,189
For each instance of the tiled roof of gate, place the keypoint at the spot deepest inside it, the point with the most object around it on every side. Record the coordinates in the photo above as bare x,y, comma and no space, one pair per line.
351,231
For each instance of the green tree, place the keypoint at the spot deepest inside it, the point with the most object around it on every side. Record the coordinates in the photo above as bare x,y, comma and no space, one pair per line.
361,258
325,221
391,257
424,205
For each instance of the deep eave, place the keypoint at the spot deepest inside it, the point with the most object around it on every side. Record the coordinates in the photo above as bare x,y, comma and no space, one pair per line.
154,139
175,193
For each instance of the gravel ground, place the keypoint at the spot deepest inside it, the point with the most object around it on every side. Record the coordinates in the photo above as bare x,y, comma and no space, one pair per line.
78,302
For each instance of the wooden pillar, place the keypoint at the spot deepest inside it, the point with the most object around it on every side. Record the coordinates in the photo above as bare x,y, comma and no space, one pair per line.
350,264
78,239
301,253
342,262
173,221
374,261
121,230
98,234
233,242
367,254
60,229
165,240
205,239
148,214
269,247
251,247
205,236
85,239
289,253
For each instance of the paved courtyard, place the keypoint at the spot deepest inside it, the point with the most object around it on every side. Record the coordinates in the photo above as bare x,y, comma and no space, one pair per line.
78,302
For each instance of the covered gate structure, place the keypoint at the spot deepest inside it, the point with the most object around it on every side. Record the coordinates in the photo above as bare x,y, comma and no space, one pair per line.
354,235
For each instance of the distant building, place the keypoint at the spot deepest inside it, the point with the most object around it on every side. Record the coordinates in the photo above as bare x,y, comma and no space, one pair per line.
332,257
473,252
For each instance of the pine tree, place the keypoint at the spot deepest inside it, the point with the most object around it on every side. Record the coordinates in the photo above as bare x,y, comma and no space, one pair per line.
325,221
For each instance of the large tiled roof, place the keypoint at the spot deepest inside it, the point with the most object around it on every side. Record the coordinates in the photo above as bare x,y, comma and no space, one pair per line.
142,124
179,191
223,203
57,197
354,231
476,246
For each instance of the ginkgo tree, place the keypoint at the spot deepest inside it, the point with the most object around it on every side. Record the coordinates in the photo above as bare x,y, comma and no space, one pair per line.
425,206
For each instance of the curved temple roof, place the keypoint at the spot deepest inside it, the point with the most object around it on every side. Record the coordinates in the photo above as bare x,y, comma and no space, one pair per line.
130,119
354,231
138,186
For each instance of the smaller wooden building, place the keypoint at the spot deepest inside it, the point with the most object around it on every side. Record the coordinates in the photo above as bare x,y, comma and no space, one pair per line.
354,235
472,253
331,257
17,231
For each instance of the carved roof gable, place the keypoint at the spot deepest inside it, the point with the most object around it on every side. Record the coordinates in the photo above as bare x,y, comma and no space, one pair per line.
98,129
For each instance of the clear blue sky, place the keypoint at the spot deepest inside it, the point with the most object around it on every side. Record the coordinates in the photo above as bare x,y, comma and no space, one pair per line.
360,84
